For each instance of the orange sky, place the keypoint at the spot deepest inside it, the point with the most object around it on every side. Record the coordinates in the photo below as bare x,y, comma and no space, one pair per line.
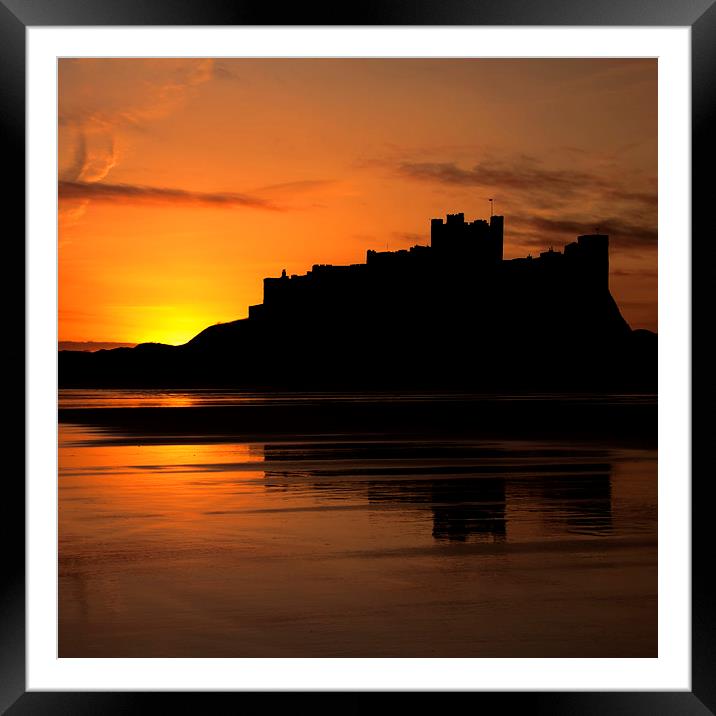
184,182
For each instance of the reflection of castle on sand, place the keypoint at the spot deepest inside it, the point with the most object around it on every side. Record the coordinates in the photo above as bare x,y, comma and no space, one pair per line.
474,491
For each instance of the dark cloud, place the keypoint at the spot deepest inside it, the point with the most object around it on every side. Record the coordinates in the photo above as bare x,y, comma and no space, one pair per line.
624,234
528,175
648,199
525,175
222,72
590,200
643,273
410,237
132,193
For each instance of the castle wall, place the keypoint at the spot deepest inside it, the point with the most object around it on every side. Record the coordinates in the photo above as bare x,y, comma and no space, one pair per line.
461,278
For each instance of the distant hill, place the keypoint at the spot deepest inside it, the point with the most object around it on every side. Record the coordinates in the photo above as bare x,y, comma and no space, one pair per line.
91,345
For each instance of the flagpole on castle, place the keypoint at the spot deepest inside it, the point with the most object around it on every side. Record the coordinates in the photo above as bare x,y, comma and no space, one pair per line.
491,206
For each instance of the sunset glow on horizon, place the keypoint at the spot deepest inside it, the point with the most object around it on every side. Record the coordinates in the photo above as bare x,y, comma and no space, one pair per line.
184,182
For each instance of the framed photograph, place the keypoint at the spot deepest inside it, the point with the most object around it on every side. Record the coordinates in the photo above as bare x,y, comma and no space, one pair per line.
359,355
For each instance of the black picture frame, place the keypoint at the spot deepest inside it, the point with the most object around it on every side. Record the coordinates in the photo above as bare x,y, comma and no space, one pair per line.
699,15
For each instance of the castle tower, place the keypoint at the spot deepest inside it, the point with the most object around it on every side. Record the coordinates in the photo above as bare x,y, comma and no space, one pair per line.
594,258
437,234
497,227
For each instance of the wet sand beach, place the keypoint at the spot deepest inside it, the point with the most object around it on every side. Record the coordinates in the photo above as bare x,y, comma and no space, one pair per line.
216,524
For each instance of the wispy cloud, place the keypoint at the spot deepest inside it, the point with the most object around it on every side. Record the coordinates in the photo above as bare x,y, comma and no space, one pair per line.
94,158
94,127
410,237
165,87
132,193
304,186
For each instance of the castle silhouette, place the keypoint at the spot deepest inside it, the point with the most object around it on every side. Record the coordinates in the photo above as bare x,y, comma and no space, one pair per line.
461,269
453,314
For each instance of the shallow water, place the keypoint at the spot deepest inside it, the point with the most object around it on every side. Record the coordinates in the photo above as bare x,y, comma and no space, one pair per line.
350,544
